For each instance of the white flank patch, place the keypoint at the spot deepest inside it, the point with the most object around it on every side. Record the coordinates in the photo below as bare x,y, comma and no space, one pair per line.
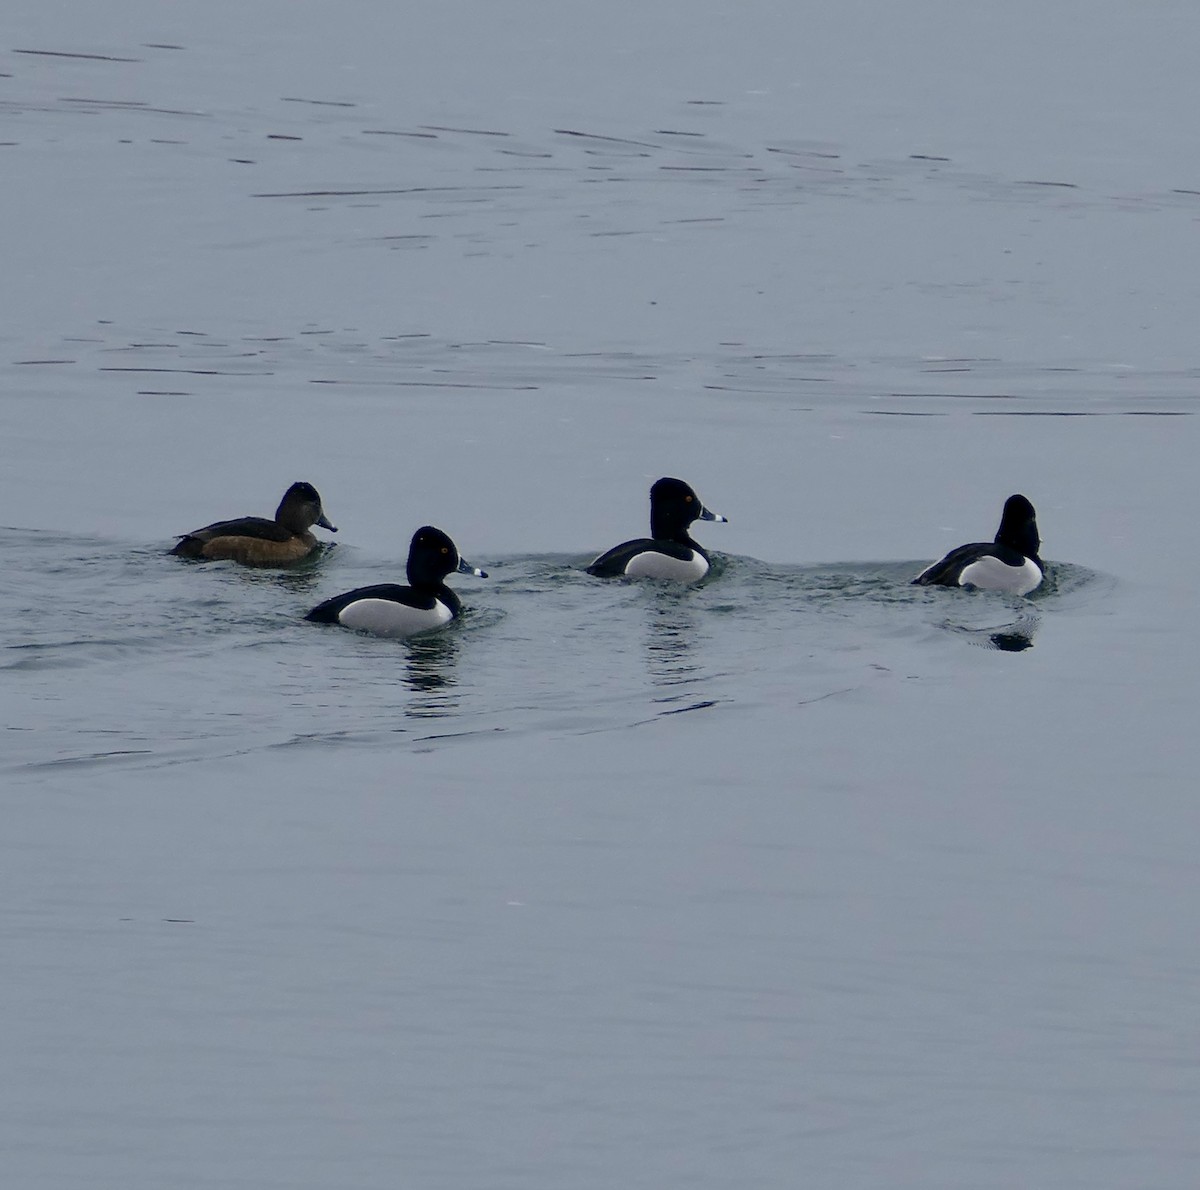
386,617
990,574
650,564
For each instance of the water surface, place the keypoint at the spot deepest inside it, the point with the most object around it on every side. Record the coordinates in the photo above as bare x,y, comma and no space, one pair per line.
609,883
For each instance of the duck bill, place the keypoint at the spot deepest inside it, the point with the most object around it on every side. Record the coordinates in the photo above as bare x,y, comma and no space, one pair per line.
465,567
325,523
708,515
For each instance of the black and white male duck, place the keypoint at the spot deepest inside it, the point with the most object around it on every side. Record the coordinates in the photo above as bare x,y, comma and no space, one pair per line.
669,552
1010,563
388,609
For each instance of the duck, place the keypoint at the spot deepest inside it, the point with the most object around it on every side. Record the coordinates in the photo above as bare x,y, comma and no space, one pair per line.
388,609
1010,563
669,552
256,541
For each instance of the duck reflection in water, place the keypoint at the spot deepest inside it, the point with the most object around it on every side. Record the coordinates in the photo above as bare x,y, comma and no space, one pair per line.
430,674
1009,638
300,580
1012,642
672,656
670,641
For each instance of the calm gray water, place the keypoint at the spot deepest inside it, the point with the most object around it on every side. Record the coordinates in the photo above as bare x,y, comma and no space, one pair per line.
801,876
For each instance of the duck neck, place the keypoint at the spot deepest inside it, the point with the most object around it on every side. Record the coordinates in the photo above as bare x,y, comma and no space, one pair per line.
667,528
1023,539
292,520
